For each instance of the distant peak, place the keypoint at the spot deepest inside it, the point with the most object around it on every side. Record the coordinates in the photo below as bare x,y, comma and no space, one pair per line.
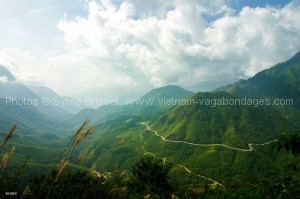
170,86
6,73
169,91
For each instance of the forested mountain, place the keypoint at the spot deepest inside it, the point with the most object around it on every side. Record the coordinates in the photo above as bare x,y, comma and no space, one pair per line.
281,81
204,121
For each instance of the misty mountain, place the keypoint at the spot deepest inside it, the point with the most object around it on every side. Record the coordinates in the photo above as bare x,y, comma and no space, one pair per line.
9,87
14,92
43,91
99,115
167,92
64,106
146,105
109,93
28,119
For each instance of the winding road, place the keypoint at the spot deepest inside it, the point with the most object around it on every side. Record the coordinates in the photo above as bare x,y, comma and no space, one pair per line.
179,165
250,145
206,145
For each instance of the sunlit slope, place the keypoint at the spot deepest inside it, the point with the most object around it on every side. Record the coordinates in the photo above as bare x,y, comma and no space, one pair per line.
236,125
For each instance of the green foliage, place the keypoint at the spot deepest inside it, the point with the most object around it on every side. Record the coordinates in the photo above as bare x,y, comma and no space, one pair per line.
258,188
151,176
78,184
289,142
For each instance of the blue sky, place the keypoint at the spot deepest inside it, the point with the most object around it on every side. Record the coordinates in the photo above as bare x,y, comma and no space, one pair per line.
239,4
144,44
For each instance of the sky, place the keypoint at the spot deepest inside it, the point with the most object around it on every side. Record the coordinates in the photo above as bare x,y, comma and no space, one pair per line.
77,46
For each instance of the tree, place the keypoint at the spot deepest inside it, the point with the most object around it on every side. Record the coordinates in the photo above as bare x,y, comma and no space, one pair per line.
151,176
289,142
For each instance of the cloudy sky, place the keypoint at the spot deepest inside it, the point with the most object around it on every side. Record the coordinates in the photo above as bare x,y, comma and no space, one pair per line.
73,46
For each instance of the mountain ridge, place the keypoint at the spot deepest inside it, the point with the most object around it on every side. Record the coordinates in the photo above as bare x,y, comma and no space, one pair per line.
282,81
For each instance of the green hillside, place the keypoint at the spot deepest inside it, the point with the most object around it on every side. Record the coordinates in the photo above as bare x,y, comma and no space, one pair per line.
122,142
233,125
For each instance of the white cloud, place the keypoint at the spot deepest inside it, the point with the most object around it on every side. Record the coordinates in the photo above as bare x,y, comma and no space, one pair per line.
3,79
153,43
148,49
256,38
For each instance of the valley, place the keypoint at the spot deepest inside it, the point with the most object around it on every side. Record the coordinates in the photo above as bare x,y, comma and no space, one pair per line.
207,146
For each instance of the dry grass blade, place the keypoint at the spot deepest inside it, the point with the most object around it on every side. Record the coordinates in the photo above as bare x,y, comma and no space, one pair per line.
84,135
121,142
116,168
123,173
79,140
93,167
13,149
26,191
96,173
61,170
81,158
89,131
4,161
9,135
77,134
92,153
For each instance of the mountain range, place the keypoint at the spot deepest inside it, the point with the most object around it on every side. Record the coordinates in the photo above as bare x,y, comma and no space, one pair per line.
218,141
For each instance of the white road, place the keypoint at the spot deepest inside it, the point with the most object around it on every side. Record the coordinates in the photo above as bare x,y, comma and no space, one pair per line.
179,165
207,145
